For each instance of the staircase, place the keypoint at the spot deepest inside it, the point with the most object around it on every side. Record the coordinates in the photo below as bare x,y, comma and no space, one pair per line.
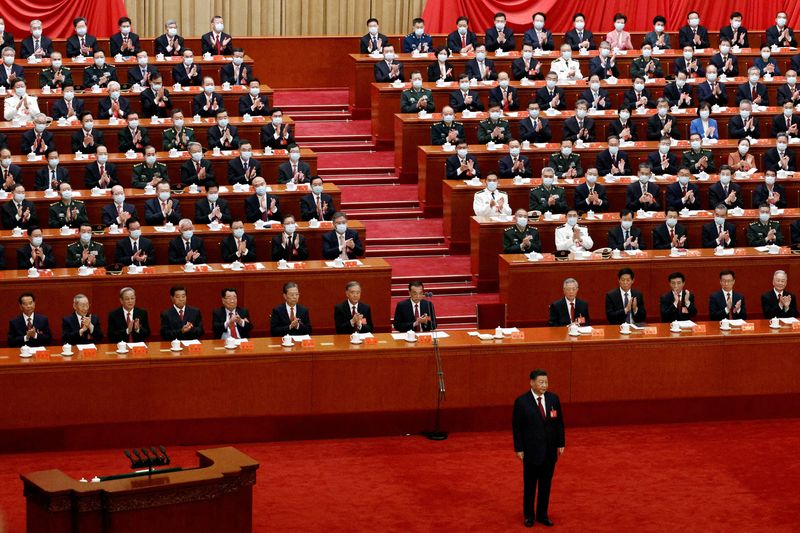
372,193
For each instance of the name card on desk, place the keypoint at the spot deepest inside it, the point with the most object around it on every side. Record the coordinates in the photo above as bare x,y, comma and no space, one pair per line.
42,355
370,340
518,335
699,328
650,330
748,326
425,339
795,326
307,343
246,345
598,332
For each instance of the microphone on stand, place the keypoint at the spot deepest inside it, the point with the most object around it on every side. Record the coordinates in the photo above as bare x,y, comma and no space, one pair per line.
441,393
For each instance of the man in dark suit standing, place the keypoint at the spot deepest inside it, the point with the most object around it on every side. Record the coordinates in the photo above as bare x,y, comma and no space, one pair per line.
197,170
162,209
245,168
464,97
778,302
28,328
569,309
534,129
351,315
538,427
671,234
212,207
230,320
415,313
100,173
236,72
238,246
124,42
683,194
128,323
678,303
462,40
294,170
180,321
261,205
461,165
277,135
341,242
143,72
36,44
81,327
169,43
81,43
317,204
590,195
217,42
290,318
494,41
725,303
625,304
373,41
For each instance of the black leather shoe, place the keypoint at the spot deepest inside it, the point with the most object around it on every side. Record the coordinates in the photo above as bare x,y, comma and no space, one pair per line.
528,522
546,521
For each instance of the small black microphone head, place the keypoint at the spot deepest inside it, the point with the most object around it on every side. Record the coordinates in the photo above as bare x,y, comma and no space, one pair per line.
128,455
428,294
137,454
164,451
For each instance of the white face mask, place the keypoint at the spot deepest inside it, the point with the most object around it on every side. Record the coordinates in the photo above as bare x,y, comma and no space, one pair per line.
462,153
86,238
56,64
197,156
680,83
172,32
389,56
417,84
218,27
36,34
142,61
100,62
114,95
659,28
724,49
464,86
719,221
744,113
781,147
294,157
188,61
605,52
572,221
447,118
638,87
8,60
246,154
704,114
695,145
223,123
125,30
494,115
527,55
644,178
694,22
788,112
627,224
754,79
277,121
769,180
102,158
155,87
711,76
503,84
566,151
547,182
442,58
791,80
19,197
539,24
341,228
6,162
580,113
81,31
619,26
150,160
765,55
763,217
566,54
514,152
119,199
178,123
725,179
290,229
672,222
480,56
66,195
20,91
261,190
208,89
780,21
522,222
613,150
419,32
736,24
624,115
688,56
646,53
743,149
594,86
133,124
373,30
238,61
212,197
53,163
683,180
591,179
135,234
39,127
255,91
163,196
88,126
550,84
491,186
533,113
662,111
663,148
187,235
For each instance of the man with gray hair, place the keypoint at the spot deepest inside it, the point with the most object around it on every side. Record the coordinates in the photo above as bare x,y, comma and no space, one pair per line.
81,327
186,247
37,139
169,43
778,302
114,105
351,315
36,44
128,323
10,72
569,309
548,196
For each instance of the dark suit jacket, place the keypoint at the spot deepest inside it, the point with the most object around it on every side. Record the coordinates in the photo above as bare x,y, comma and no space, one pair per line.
716,195
538,438
496,96
571,38
16,173
365,39
115,45
381,70
109,213
252,209
91,177
24,254
629,99
219,317
228,249
709,235
506,165
59,108
268,136
27,49
605,162
189,173
330,245
105,108
77,141
279,321
454,41
125,140
226,74
661,240
559,313
308,207
9,215
772,37
616,239
181,75
675,196
779,123
634,192
452,164
404,315
716,306
457,101
124,251
209,45
236,170
686,37
673,94
769,305
70,330
726,32
215,138
679,65
493,44
135,75
290,253
149,106
528,133
604,71
601,93
654,158
705,94
785,94
760,195
719,62
736,128
161,44
177,251
199,102
42,177
530,37
518,70
285,172
118,327
472,70
17,70
28,139
572,128
202,209
543,98
74,45
743,93
615,127
171,324
246,103
342,314
153,215
654,127
17,329
582,193
615,311
771,159
670,313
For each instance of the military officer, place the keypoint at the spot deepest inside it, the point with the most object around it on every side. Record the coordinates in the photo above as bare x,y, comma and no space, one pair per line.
418,40
764,231
178,136
416,98
521,238
99,73
55,76
67,212
150,172
646,65
85,252
565,163
448,129
698,159
494,128
547,196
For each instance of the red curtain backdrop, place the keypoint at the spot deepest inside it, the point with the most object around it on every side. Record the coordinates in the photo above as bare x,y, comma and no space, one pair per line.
440,15
57,16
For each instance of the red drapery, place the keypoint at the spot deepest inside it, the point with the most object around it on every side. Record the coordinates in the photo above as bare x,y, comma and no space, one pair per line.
57,16
440,15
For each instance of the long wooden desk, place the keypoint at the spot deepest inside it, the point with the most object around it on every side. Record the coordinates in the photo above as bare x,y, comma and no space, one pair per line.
289,200
180,100
321,287
487,236
528,302
431,161
340,389
76,167
410,131
161,240
458,197
209,67
250,131
363,65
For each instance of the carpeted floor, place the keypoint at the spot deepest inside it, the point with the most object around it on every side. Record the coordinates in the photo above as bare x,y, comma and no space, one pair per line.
380,194
332,129
690,477
360,160
427,267
429,227
314,97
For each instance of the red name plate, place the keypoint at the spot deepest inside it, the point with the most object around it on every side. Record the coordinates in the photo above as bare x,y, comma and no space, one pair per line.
42,355
517,334
89,353
650,330
308,343
139,350
351,263
371,340
699,328
598,332
425,339
195,347
248,345
748,327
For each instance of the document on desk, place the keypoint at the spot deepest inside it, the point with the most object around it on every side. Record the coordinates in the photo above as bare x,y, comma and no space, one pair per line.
190,342
86,347
301,338
686,324
788,320
435,334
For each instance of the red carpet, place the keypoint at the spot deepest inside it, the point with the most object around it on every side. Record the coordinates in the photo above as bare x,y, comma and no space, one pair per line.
453,265
361,160
304,98
332,128
457,305
407,229
379,194
690,477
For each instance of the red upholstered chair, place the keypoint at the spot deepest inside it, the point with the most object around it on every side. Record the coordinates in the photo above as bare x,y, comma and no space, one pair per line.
491,315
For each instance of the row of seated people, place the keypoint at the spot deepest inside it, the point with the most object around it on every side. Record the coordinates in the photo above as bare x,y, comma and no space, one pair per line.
129,323
135,249
626,304
125,42
500,37
155,101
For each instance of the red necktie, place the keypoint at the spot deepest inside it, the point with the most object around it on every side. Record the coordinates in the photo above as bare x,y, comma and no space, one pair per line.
354,311
541,408
463,41
671,235
129,322
416,317
319,208
572,311
752,93
505,101
729,305
232,328
180,315
219,45
291,314
30,323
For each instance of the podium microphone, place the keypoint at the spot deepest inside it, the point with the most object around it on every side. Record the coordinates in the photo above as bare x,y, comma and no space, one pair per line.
441,392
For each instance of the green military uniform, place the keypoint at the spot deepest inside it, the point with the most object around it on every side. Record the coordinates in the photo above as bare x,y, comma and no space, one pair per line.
486,127
513,237
410,97
92,75
757,233
47,77
539,196
143,174
125,140
440,130
58,214
561,164
75,254
638,65
173,139
690,159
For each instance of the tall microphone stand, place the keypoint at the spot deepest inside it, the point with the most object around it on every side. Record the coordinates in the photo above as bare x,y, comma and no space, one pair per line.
441,394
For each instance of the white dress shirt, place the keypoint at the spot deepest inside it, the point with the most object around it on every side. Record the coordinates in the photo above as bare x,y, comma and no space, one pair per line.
565,240
481,204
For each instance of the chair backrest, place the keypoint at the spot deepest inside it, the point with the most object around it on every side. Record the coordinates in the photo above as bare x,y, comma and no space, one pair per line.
491,315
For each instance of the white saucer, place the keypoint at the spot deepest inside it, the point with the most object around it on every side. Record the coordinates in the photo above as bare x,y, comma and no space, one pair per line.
122,351
356,342
176,349
287,345
68,354
415,340
26,356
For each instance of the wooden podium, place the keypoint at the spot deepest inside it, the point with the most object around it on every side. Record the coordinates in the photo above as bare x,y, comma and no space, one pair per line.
215,496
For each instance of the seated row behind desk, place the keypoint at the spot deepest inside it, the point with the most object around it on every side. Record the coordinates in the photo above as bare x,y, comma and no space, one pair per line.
179,243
